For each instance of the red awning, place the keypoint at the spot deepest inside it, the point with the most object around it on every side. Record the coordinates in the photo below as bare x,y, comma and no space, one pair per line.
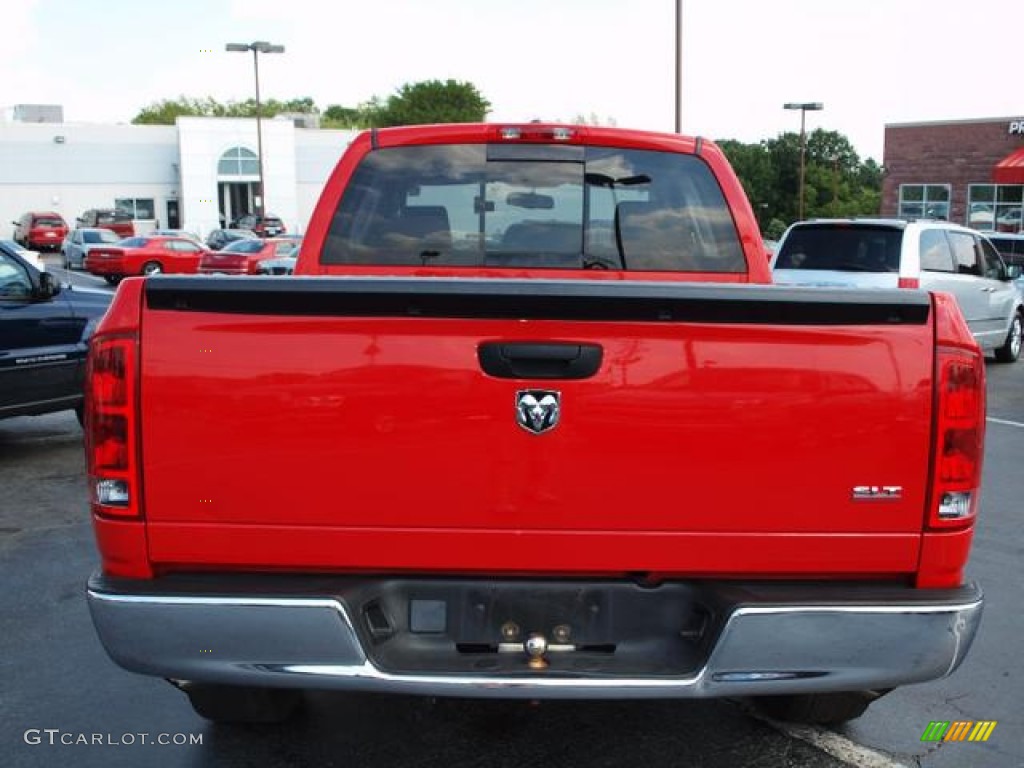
1010,170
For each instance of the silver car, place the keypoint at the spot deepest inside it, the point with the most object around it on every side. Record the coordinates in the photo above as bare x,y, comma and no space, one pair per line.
80,241
894,253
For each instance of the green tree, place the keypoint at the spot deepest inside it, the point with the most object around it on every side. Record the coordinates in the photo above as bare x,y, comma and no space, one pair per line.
429,101
337,116
836,182
753,165
165,112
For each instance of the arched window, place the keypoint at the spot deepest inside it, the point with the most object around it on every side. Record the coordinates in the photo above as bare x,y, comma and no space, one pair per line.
238,161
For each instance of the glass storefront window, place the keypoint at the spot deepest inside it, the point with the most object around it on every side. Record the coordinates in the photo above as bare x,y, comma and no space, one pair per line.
995,208
930,201
137,207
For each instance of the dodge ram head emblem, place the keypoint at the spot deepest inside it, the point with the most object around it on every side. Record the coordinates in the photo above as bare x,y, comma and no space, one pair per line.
537,410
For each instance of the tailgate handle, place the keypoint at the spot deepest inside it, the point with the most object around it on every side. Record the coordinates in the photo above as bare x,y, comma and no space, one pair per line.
530,360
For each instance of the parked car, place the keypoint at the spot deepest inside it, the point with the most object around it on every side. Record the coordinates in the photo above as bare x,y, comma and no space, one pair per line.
42,231
1009,221
242,256
44,334
281,265
148,255
1009,245
891,253
80,241
108,218
980,216
218,238
176,233
268,225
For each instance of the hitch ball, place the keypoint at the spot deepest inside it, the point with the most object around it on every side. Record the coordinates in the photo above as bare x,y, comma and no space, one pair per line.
536,646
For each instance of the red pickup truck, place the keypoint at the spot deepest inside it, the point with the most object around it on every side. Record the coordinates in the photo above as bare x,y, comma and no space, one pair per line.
531,422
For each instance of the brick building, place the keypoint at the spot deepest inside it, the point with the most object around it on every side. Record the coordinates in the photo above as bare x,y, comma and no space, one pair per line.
967,171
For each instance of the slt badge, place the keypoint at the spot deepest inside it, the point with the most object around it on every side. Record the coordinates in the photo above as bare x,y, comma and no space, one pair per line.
537,410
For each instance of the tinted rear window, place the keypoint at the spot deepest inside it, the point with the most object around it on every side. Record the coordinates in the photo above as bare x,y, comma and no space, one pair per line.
244,246
49,221
101,236
1011,248
842,248
110,217
534,206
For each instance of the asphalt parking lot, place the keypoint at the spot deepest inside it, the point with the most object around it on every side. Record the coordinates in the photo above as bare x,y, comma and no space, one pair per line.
59,686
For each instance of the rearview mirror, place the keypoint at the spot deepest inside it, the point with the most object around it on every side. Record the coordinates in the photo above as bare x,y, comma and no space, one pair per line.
49,286
530,200
1013,271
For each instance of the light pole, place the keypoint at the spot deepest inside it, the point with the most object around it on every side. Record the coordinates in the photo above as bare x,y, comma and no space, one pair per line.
804,107
258,47
679,66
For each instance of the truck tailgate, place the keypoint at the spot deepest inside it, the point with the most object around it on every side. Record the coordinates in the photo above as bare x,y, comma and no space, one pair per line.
349,423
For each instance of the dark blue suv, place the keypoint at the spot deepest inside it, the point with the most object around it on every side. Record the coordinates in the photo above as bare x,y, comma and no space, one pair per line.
44,336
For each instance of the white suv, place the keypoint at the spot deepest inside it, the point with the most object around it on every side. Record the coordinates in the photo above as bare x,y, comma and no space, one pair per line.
893,253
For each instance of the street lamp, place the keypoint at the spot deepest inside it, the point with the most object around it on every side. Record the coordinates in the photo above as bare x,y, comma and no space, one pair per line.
258,47
804,107
679,66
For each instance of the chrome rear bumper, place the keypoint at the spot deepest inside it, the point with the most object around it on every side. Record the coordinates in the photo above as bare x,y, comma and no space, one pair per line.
757,645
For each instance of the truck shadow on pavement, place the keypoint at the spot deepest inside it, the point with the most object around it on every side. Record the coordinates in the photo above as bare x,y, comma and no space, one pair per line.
377,729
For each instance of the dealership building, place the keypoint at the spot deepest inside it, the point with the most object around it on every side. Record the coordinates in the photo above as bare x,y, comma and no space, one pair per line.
193,175
967,171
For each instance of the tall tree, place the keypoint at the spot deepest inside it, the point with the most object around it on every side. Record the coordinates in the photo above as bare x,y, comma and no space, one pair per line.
836,182
429,101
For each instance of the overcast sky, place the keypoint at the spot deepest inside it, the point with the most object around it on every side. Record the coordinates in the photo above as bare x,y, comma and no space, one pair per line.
871,62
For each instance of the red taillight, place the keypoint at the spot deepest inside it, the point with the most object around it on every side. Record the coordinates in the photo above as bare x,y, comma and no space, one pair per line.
909,282
959,438
110,426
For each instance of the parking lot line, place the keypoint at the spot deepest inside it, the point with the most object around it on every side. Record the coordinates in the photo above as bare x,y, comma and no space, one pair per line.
1005,422
838,746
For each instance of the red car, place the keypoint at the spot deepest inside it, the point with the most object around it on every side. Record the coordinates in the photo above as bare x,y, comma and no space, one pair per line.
243,256
145,256
40,231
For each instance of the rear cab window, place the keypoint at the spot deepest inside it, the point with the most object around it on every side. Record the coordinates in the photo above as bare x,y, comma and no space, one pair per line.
842,248
534,206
